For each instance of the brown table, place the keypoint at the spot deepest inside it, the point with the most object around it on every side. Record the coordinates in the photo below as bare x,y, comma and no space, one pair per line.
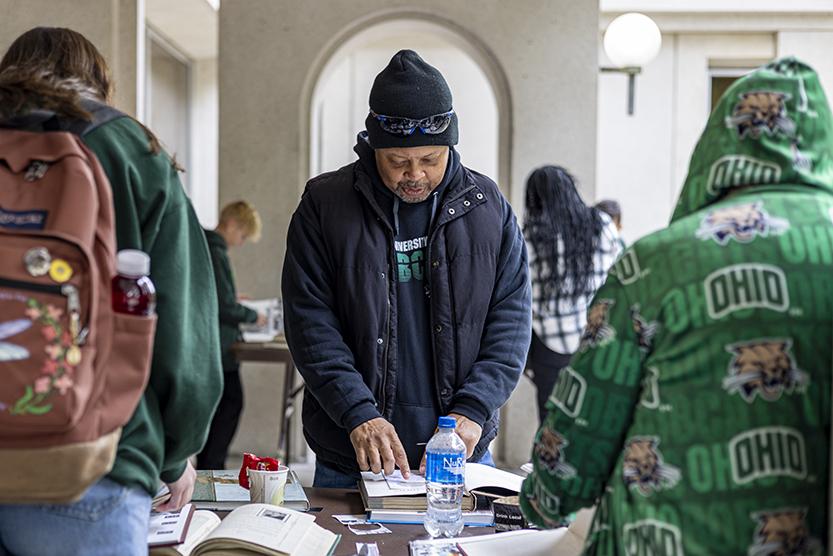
276,351
344,501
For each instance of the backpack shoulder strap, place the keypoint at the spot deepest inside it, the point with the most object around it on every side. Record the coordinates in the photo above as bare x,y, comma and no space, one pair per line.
101,113
45,120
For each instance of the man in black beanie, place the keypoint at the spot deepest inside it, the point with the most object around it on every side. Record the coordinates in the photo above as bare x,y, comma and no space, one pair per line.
405,289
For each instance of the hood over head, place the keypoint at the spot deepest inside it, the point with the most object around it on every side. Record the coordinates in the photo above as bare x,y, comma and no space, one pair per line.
772,127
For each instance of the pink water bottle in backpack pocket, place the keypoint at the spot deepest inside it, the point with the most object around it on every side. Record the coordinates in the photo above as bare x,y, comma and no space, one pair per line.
133,291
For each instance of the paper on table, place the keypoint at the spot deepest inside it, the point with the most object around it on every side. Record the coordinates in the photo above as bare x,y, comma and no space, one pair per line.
350,519
517,543
380,485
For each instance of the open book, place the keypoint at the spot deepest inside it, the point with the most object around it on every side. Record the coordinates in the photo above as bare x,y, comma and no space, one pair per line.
393,492
254,529
219,490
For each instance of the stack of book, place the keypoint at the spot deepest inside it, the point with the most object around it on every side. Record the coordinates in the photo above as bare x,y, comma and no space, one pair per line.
393,499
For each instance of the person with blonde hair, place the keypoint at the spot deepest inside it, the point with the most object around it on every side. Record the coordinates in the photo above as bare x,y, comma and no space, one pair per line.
239,222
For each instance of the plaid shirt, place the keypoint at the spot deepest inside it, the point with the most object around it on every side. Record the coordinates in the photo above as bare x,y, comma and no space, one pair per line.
559,323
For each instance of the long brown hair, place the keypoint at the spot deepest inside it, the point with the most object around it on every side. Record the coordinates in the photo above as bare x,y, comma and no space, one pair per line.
54,68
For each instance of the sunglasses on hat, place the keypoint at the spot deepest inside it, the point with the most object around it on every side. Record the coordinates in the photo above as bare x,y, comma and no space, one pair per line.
432,125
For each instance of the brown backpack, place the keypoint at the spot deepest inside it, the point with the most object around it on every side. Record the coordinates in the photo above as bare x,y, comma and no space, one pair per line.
73,370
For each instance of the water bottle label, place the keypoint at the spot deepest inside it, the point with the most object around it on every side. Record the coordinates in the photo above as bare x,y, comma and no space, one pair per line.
445,468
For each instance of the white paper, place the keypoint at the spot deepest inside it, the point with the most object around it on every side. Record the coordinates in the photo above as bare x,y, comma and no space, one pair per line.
273,310
517,543
379,485
350,519
477,476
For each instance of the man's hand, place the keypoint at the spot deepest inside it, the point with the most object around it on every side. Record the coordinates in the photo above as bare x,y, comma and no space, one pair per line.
467,430
378,447
262,320
181,490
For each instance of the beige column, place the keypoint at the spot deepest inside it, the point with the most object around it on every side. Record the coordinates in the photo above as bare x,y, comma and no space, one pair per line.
116,27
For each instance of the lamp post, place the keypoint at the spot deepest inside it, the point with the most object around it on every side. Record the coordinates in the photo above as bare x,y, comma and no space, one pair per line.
631,41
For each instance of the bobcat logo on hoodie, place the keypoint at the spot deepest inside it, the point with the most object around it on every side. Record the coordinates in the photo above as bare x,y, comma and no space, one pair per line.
783,533
550,449
598,331
763,368
743,223
643,468
761,112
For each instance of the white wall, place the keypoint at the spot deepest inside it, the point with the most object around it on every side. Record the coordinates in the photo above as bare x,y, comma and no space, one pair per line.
636,153
340,103
815,48
190,26
204,125
167,102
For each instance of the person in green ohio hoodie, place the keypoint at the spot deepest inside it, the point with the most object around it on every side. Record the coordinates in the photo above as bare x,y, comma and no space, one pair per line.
696,413
61,71
239,222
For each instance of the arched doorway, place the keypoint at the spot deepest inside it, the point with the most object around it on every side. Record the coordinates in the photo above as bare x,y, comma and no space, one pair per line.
339,100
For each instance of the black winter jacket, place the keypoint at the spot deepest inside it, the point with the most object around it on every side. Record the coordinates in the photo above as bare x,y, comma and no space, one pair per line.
340,306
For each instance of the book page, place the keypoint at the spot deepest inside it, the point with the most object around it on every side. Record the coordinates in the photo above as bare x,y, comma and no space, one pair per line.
202,523
379,485
277,529
480,476
227,487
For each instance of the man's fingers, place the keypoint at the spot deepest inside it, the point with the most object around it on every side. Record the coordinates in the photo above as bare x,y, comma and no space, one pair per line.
422,466
400,457
388,461
361,459
375,463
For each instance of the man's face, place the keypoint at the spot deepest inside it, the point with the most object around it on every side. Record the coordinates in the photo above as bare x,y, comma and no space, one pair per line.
412,173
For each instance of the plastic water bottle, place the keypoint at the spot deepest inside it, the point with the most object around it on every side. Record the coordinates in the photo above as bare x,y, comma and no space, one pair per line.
445,475
133,292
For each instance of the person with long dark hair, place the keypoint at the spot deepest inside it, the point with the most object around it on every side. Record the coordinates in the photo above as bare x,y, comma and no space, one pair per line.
59,72
571,247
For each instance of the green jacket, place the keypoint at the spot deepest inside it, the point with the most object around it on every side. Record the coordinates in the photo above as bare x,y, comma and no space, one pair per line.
232,313
153,214
697,410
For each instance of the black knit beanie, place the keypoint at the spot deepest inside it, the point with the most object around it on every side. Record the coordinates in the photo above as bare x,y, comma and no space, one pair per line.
409,88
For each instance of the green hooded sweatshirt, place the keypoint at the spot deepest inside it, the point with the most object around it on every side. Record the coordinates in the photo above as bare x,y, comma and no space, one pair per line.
232,313
154,214
696,412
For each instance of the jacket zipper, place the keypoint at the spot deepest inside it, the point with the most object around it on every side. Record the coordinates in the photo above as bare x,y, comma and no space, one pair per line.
388,279
69,291
431,233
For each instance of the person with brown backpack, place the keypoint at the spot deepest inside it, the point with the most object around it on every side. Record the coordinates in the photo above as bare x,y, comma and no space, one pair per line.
97,407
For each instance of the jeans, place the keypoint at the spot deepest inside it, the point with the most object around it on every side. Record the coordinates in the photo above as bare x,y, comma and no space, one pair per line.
109,519
327,477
